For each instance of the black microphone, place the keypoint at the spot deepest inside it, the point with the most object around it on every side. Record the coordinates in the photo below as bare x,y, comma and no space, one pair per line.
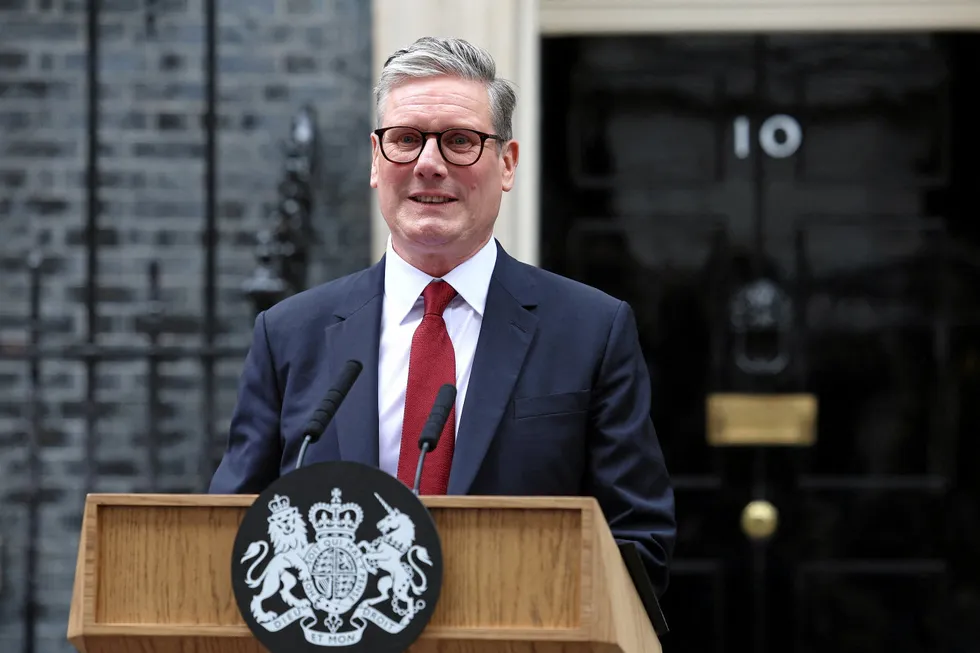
323,415
429,438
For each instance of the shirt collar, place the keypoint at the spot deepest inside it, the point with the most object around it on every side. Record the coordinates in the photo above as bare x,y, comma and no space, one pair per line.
471,279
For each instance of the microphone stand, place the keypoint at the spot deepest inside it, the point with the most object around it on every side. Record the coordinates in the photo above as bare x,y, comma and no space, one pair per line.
302,450
418,471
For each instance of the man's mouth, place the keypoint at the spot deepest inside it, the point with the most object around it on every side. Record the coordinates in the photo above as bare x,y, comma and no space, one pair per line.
432,199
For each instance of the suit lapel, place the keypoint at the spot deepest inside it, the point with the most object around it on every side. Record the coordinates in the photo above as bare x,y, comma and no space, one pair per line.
507,331
356,336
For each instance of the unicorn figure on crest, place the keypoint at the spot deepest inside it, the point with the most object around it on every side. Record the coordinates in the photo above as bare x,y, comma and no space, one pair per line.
395,554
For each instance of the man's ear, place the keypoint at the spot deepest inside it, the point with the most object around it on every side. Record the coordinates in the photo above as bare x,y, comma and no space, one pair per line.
375,153
508,164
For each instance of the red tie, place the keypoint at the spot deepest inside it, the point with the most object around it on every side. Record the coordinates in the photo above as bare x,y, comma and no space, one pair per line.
431,364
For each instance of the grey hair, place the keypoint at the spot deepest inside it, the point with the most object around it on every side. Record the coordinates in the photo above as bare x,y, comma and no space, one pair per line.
430,57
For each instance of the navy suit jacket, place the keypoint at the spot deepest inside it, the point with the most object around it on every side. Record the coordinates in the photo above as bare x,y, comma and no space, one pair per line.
558,402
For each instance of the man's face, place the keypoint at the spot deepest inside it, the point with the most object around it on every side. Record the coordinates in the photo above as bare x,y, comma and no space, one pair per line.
461,220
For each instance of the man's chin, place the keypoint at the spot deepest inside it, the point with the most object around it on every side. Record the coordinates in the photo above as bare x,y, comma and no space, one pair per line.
432,241
432,231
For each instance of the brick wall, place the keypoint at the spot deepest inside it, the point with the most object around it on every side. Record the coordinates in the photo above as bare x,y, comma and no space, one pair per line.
274,56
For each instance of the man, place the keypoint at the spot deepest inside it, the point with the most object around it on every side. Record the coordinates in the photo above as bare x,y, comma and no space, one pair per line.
553,392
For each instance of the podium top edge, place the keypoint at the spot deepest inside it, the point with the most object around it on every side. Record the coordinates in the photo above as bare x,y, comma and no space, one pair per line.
430,501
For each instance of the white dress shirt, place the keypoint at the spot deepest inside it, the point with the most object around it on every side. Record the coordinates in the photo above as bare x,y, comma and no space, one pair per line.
401,313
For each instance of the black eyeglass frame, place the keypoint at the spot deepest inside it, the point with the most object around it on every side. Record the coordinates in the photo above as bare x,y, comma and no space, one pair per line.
425,135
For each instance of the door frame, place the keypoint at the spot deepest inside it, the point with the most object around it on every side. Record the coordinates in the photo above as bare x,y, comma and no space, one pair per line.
561,17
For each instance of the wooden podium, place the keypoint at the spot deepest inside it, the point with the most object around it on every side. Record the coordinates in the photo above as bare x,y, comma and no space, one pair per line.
540,575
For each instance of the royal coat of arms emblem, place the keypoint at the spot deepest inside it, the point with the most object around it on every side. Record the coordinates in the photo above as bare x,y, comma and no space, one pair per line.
335,584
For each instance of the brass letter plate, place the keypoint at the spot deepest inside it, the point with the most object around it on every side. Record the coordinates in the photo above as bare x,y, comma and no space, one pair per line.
787,420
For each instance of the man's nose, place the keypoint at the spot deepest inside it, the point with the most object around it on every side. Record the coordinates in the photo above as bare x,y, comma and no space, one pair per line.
430,161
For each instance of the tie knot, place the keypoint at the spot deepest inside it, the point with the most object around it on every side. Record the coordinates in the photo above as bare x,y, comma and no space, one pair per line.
437,296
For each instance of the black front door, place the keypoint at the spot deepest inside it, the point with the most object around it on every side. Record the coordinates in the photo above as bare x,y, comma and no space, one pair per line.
792,216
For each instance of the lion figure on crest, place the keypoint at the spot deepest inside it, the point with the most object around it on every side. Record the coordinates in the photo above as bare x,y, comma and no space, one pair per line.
393,553
287,532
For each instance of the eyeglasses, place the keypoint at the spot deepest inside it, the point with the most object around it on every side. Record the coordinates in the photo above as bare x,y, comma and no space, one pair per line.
461,147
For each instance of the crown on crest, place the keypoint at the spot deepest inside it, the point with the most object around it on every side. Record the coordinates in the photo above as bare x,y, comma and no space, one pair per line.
336,519
280,505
